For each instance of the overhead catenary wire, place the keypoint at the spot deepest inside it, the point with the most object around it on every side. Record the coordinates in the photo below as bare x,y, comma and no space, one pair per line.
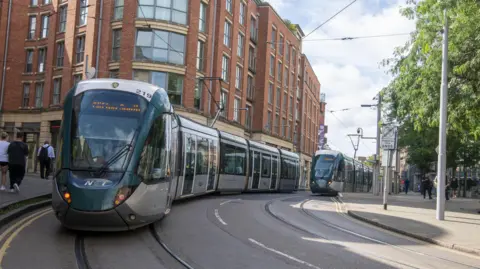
355,37
329,19
344,125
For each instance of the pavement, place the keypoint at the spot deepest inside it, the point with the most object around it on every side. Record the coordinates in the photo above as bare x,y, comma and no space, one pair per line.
416,217
32,186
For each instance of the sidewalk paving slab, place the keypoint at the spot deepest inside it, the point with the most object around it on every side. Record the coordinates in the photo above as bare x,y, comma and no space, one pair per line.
416,217
32,186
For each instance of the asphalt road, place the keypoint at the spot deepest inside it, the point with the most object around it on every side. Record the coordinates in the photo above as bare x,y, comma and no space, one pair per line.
227,232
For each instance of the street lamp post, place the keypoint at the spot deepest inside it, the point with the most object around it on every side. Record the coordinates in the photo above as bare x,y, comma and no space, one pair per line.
376,174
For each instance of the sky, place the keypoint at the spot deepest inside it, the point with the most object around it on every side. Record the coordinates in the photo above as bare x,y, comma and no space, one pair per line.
349,72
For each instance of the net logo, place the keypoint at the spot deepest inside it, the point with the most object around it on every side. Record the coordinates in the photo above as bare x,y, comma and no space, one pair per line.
100,182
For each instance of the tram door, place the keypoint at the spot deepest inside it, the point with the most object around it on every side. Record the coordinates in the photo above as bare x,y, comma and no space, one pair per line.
212,173
266,172
273,182
189,164
255,161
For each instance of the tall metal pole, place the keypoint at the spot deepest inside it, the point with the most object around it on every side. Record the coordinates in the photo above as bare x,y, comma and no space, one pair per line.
386,179
376,176
443,124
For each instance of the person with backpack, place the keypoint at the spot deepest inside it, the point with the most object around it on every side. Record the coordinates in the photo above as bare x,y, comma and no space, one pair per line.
45,156
17,161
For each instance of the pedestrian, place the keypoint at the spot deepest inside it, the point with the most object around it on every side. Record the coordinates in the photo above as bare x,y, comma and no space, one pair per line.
447,190
45,156
427,187
454,186
17,160
407,183
4,159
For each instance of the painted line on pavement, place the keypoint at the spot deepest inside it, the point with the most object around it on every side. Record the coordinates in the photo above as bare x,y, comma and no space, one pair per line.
217,215
228,201
282,254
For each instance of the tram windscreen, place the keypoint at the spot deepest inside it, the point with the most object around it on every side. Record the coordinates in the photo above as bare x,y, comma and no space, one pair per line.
324,166
104,126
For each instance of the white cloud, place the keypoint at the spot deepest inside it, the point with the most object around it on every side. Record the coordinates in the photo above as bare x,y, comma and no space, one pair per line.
349,71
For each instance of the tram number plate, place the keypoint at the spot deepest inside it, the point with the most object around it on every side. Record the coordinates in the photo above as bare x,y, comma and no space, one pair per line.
144,93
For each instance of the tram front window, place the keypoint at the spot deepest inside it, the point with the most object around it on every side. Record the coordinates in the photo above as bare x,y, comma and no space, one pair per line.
104,127
324,166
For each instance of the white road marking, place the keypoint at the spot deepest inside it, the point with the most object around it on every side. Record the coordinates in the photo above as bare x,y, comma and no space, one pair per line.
228,201
340,194
219,218
283,254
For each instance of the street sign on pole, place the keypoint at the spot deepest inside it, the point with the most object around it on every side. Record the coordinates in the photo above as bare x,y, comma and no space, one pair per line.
389,138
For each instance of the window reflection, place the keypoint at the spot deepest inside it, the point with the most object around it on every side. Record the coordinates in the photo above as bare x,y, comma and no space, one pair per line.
233,159
160,46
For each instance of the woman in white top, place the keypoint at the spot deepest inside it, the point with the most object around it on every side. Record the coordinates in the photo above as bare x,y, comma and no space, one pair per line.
4,159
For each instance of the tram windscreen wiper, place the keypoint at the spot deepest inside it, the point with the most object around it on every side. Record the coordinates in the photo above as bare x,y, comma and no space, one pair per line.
114,158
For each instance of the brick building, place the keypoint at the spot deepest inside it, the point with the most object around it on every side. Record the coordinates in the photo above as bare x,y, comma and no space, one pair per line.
205,53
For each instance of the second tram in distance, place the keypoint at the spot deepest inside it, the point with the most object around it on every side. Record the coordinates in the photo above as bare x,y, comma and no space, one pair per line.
124,156
333,172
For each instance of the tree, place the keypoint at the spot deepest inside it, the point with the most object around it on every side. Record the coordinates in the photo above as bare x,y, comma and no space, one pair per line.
413,96
292,27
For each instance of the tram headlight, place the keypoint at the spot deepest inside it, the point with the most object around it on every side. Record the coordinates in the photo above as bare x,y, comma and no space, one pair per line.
122,194
67,197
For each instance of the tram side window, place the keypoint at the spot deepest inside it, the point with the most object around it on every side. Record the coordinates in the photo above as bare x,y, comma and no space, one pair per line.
202,156
153,159
266,165
233,160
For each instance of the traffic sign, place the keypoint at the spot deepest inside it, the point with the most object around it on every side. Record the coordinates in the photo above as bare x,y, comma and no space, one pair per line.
389,138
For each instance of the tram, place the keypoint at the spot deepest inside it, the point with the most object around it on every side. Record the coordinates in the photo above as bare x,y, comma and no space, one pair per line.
333,172
124,156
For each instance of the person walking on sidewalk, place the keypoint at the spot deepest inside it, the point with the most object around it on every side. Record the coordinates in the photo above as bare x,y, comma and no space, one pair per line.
45,156
454,186
427,187
4,159
406,183
17,160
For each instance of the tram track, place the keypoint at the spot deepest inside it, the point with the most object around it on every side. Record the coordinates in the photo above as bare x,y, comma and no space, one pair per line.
154,233
339,228
80,253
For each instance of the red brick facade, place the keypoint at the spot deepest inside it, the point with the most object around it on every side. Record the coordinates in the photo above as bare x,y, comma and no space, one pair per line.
124,60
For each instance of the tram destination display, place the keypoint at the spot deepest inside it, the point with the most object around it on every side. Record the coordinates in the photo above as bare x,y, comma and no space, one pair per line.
109,106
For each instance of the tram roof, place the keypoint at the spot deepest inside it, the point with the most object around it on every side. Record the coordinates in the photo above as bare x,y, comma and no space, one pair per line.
263,146
289,154
198,127
141,88
233,138
327,151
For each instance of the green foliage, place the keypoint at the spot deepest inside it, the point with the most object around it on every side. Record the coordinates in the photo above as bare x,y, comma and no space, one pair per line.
292,27
413,97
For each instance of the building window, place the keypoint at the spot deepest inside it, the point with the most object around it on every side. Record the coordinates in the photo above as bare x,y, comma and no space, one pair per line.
116,38
284,102
294,56
114,73
279,95
242,13
225,68
272,65
171,82
224,103
34,2
160,46
238,78
279,71
273,38
118,10
45,20
60,52
39,95
228,5
270,93
26,95
253,28
32,26
285,77
197,101
83,12
284,126
80,49
42,54
202,27
164,10
287,56
250,87
269,121
29,61
57,86
277,124
227,34
280,45
248,117
236,109
62,22
200,55
251,58
290,106
77,78
241,47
